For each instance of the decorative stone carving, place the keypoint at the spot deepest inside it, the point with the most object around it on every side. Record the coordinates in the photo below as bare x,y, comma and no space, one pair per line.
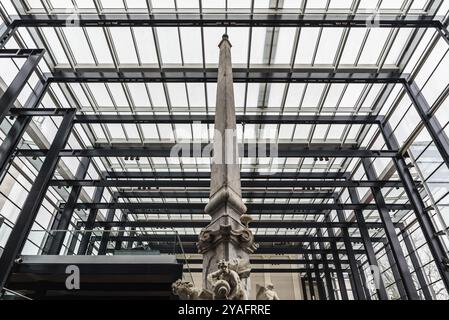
226,283
186,290
242,238
266,293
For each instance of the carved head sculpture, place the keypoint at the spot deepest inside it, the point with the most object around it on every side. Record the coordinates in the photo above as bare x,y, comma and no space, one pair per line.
270,286
223,265
221,290
180,287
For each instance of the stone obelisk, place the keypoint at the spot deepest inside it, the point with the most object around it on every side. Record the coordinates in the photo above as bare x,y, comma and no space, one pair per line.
226,237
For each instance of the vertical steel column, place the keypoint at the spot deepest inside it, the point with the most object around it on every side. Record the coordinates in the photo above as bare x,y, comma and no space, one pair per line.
74,239
18,128
390,232
6,32
34,199
358,292
62,219
319,283
106,232
364,233
85,239
365,285
431,123
310,279
130,242
425,221
327,272
118,243
304,289
416,265
11,94
395,271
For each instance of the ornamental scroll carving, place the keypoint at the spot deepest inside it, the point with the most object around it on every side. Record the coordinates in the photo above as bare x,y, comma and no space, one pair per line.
242,238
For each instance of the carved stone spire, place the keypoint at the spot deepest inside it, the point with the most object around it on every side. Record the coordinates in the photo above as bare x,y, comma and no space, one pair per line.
225,238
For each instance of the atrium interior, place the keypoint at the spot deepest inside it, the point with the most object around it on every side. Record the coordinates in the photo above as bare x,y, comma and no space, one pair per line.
107,114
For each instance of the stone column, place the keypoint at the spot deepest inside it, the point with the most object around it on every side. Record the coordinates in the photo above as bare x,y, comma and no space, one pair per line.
226,237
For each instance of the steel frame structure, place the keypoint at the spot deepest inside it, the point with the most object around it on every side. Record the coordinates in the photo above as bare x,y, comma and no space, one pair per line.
318,246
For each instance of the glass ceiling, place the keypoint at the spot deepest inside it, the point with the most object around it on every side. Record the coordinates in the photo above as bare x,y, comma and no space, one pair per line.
339,50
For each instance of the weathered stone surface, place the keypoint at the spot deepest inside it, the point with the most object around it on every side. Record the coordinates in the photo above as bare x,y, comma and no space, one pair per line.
226,238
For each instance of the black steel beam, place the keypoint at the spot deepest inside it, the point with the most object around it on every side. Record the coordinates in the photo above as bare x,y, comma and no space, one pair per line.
192,223
357,290
416,265
246,119
319,281
432,124
395,271
364,283
239,77
259,238
33,202
368,245
304,289
82,249
422,216
271,261
327,271
12,139
62,218
13,91
393,240
252,207
310,184
276,270
204,151
224,19
6,32
105,237
269,249
206,175
299,194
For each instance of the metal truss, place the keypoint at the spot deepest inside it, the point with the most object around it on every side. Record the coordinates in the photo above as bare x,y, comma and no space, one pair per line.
293,224
223,20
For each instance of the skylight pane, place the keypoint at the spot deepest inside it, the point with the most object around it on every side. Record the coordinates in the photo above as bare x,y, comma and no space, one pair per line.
196,93
374,45
329,42
285,45
145,45
258,45
276,95
169,45
78,45
124,45
100,94
352,47
307,45
212,37
239,41
191,45
252,98
99,45
139,94
177,93
118,94
294,95
312,96
157,94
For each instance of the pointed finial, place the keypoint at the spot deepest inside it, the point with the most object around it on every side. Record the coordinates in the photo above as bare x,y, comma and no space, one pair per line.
224,38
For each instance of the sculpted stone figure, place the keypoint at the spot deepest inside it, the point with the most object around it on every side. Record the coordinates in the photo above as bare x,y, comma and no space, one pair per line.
226,283
186,290
266,293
